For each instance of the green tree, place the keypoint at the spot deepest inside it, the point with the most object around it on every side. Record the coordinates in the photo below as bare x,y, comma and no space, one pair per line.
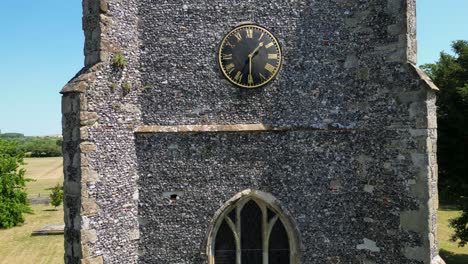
13,198
450,74
56,196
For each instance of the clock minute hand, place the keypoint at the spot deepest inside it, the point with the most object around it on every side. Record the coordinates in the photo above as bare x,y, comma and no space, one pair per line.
250,64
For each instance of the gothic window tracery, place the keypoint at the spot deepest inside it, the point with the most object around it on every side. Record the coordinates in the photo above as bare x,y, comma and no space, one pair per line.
251,231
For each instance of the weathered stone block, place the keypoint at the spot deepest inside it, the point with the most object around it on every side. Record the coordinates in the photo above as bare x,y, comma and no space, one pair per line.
95,260
87,147
88,118
88,236
89,206
414,220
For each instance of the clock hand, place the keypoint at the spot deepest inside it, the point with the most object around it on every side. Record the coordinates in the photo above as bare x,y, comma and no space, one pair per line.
250,65
255,50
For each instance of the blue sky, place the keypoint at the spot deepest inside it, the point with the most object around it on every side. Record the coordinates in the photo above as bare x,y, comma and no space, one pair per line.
41,48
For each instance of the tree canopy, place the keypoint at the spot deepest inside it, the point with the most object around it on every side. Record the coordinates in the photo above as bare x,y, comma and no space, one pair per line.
36,146
13,198
450,74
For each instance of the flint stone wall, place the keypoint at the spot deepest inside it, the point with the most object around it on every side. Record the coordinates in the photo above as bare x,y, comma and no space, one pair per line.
348,149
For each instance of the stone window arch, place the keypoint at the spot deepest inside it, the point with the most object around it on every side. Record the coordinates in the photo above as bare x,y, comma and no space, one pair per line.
251,228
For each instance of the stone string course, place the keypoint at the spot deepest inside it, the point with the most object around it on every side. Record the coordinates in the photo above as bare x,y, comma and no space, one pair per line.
345,137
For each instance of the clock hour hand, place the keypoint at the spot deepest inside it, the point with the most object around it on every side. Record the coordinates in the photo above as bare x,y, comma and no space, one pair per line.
255,50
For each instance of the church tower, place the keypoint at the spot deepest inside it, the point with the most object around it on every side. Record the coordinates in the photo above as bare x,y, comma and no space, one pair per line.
253,132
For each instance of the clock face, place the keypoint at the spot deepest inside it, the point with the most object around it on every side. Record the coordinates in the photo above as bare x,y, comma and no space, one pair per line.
250,56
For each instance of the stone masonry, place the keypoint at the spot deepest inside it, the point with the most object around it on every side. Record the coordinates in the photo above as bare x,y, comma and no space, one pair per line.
345,137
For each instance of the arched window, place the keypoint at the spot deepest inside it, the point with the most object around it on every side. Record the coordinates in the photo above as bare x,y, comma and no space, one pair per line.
252,229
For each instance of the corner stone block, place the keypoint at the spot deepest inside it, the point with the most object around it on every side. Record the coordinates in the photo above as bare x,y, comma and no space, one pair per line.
89,206
67,105
78,87
84,160
88,118
76,247
88,236
72,188
87,147
85,251
103,5
83,102
410,220
84,134
96,260
417,253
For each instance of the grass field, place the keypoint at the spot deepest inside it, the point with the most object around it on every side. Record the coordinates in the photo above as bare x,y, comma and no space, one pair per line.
18,246
449,251
46,172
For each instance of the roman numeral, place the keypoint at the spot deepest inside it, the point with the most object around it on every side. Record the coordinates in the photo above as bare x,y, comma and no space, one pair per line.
238,36
261,36
273,56
249,33
262,76
270,67
226,56
230,68
269,45
250,80
238,77
230,45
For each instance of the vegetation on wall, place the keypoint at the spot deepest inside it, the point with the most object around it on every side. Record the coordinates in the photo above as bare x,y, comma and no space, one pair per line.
119,60
450,74
13,197
126,87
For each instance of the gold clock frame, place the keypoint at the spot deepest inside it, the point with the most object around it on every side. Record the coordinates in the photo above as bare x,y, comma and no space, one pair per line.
276,43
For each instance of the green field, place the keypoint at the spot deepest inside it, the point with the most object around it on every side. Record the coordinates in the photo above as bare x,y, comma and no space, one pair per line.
18,246
46,172
449,251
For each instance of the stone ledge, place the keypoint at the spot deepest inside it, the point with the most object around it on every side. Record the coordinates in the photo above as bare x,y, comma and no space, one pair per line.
229,128
82,80
203,128
424,77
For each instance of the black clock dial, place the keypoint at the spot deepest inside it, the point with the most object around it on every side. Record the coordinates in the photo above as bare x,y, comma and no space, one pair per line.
250,56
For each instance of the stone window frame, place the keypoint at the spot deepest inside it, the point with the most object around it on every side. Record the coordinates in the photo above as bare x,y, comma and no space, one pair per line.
264,201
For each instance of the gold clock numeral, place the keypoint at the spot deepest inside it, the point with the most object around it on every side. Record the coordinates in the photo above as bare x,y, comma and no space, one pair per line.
270,67
261,36
249,32
230,45
230,68
249,56
250,80
238,36
238,77
226,56
273,56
